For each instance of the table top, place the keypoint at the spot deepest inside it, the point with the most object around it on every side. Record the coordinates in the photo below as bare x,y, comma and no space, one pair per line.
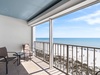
18,53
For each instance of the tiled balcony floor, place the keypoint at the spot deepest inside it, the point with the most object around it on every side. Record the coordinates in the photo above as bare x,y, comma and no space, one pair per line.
31,67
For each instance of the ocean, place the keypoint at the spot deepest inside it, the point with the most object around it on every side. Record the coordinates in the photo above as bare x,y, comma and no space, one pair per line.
91,42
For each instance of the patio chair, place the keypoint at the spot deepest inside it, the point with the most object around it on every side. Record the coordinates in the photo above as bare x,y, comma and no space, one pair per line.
4,57
27,51
98,73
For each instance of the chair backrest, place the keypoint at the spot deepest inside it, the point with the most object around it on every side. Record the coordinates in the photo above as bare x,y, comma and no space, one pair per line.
3,52
26,47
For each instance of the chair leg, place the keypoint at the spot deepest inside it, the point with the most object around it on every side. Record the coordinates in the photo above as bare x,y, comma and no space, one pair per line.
6,67
17,60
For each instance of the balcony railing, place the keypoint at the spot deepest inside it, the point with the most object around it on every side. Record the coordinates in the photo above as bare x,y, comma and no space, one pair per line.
71,59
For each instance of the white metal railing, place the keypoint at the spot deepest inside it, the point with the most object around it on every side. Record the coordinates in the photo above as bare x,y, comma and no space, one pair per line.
71,59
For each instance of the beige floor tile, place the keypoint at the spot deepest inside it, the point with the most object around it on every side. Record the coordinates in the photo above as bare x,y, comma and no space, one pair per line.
33,67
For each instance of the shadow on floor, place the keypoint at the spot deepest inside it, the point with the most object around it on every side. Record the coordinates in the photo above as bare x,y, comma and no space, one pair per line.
13,69
31,67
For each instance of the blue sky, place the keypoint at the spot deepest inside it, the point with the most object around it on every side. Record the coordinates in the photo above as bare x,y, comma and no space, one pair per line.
84,23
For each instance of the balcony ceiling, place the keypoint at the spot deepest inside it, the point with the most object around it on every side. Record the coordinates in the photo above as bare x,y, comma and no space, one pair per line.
34,11
25,9
61,8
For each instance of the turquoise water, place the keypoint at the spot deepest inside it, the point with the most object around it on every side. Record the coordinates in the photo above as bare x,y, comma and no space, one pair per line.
92,42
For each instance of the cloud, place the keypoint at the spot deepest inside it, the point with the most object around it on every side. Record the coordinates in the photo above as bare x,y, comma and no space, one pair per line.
91,19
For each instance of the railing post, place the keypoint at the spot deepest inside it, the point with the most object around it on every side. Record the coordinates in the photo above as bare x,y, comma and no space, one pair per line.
72,60
81,60
94,61
67,59
51,43
76,60
44,51
87,61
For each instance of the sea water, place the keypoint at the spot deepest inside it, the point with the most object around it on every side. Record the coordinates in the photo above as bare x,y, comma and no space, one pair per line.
92,42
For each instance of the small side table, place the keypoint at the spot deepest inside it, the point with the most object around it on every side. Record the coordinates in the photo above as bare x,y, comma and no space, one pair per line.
18,54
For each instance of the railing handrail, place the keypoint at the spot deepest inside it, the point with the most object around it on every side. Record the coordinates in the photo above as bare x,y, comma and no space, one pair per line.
69,45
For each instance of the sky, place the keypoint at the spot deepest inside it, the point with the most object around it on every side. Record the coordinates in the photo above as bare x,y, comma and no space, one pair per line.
84,23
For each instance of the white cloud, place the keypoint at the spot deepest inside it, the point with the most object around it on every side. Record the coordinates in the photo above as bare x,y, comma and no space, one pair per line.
91,18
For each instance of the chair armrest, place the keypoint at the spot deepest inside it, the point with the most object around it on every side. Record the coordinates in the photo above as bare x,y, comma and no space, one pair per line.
9,53
4,58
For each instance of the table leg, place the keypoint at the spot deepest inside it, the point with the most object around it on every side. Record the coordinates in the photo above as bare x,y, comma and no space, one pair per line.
19,59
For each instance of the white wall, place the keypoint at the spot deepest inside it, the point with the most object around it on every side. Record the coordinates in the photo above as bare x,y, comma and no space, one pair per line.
14,33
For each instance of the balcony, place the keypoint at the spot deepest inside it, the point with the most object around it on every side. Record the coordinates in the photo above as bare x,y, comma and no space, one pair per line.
32,67
70,59
17,26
